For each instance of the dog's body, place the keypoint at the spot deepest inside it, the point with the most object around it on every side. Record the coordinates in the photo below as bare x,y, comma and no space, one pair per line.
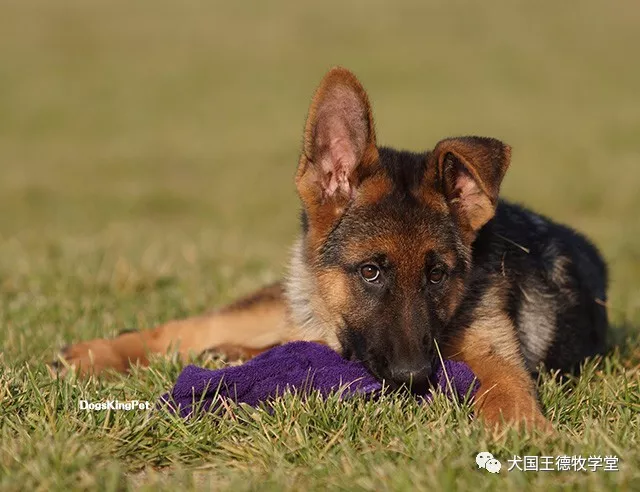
401,254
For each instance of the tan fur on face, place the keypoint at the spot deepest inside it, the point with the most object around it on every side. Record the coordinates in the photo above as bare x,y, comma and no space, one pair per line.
307,310
373,190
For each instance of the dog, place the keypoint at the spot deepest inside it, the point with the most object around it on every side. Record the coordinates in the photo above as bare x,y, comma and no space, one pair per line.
405,257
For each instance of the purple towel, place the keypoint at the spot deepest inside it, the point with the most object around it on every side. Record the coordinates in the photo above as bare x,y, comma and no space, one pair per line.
298,366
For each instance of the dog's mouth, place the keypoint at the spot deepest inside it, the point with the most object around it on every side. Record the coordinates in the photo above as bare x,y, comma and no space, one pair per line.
417,381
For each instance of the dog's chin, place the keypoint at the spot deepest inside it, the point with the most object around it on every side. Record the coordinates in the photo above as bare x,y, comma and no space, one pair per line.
393,386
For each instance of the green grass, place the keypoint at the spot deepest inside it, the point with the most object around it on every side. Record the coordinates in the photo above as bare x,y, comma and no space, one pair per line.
147,152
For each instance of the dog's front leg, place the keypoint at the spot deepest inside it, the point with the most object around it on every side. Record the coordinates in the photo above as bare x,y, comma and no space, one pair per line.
507,391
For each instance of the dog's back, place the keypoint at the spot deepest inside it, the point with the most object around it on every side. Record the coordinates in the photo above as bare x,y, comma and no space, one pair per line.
557,283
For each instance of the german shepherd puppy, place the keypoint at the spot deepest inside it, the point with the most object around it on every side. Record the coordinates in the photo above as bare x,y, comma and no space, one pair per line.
400,254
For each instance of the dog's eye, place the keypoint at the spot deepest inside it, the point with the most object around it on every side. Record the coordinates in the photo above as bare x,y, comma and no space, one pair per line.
437,275
370,273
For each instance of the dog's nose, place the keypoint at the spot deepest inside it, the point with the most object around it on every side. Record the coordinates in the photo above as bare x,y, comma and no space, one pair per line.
415,378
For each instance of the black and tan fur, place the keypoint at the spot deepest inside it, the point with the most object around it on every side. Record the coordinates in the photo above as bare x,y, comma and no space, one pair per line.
401,252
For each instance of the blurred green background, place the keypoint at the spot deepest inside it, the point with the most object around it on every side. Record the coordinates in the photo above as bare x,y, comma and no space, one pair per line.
147,149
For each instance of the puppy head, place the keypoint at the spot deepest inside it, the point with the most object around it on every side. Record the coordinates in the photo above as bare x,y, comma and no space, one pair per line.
388,234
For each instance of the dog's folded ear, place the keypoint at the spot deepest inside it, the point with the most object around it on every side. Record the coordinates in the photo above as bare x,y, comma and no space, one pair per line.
339,141
470,170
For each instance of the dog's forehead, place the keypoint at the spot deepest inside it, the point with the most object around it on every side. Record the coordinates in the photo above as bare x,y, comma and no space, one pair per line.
401,176
404,168
401,230
397,212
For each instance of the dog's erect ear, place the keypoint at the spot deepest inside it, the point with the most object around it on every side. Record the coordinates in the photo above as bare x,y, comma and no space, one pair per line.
470,170
339,141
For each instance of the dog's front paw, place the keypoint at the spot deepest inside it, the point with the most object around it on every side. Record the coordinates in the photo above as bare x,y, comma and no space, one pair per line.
499,408
87,358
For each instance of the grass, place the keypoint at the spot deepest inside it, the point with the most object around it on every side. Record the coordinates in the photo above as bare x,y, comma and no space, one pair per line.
147,151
